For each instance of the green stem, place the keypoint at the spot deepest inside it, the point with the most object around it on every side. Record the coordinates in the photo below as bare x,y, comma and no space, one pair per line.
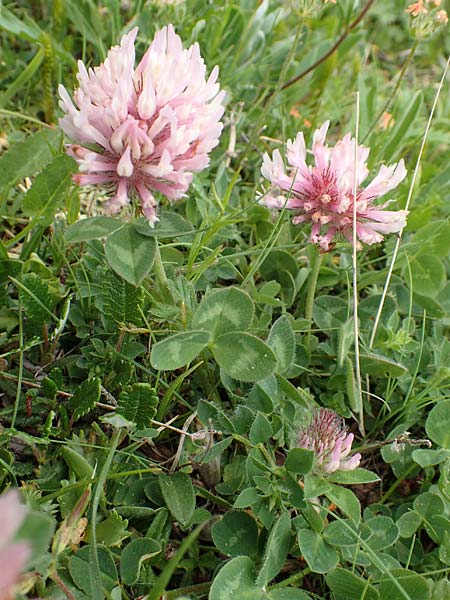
20,375
396,483
333,48
94,567
394,92
292,579
199,588
163,580
159,269
316,262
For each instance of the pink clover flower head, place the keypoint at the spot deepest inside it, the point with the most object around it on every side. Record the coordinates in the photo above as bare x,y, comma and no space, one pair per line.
328,437
144,129
322,194
13,555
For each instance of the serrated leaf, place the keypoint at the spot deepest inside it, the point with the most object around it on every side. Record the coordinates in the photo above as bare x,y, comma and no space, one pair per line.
25,158
85,398
178,350
121,300
111,531
48,190
244,356
133,555
35,298
92,228
223,311
138,404
129,253
179,496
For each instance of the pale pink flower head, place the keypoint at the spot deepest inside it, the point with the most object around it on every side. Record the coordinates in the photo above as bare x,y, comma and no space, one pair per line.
322,194
13,555
328,437
144,129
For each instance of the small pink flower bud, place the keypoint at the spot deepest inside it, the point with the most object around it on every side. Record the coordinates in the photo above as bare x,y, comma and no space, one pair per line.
328,437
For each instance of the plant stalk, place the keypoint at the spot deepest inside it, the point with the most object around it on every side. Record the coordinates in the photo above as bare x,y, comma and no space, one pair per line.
316,263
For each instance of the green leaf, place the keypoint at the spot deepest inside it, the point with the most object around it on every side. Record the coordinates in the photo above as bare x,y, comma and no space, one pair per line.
342,533
319,555
121,300
276,550
223,311
402,126
329,312
37,529
356,476
36,299
282,341
383,533
25,158
433,238
374,364
85,398
437,424
129,253
413,586
246,498
408,524
428,458
299,460
428,274
288,593
236,580
133,555
179,496
92,228
178,350
261,430
138,404
236,534
346,500
345,340
345,585
244,356
48,191
111,531
24,27
277,261
172,225
79,568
